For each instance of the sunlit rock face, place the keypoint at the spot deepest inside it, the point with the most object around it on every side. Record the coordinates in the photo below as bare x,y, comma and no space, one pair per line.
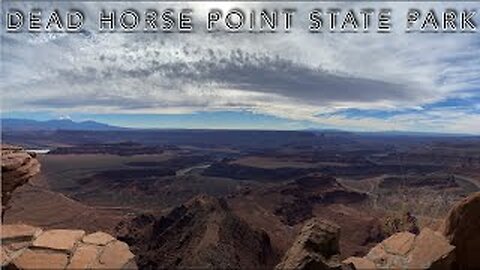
18,167
462,228
404,250
456,248
28,247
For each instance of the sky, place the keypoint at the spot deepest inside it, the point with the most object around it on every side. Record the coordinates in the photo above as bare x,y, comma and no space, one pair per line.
297,80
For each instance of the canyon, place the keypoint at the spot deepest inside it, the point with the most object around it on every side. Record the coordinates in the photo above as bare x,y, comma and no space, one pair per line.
215,199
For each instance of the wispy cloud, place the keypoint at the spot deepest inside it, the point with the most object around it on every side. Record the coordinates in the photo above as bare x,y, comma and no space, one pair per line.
298,76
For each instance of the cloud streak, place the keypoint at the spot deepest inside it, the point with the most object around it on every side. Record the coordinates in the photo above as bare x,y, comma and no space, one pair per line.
298,76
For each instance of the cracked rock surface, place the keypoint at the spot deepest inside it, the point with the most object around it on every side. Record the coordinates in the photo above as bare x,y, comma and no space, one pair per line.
404,250
28,247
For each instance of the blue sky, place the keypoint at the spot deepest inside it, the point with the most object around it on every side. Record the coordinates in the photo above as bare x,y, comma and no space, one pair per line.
296,80
210,120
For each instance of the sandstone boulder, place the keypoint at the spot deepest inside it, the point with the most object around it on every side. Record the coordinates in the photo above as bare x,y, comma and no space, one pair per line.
19,233
31,248
15,239
431,251
399,243
462,228
404,250
98,238
85,257
59,239
40,259
382,259
316,247
114,256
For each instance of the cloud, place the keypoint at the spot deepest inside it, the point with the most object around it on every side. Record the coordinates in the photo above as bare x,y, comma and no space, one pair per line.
299,75
238,70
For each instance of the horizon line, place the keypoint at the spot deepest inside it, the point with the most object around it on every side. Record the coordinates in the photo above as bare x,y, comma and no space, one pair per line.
332,130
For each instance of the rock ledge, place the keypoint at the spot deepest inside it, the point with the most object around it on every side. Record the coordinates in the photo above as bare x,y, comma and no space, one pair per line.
28,247
404,250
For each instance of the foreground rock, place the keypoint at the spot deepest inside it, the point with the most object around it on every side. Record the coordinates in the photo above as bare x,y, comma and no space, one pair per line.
18,167
316,247
202,233
462,228
27,247
404,250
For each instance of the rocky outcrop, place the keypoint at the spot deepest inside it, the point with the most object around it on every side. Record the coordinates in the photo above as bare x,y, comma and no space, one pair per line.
316,247
456,248
462,228
396,222
28,247
404,250
202,233
18,167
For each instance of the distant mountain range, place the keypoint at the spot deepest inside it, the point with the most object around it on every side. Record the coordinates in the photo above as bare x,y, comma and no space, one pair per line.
16,124
11,124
